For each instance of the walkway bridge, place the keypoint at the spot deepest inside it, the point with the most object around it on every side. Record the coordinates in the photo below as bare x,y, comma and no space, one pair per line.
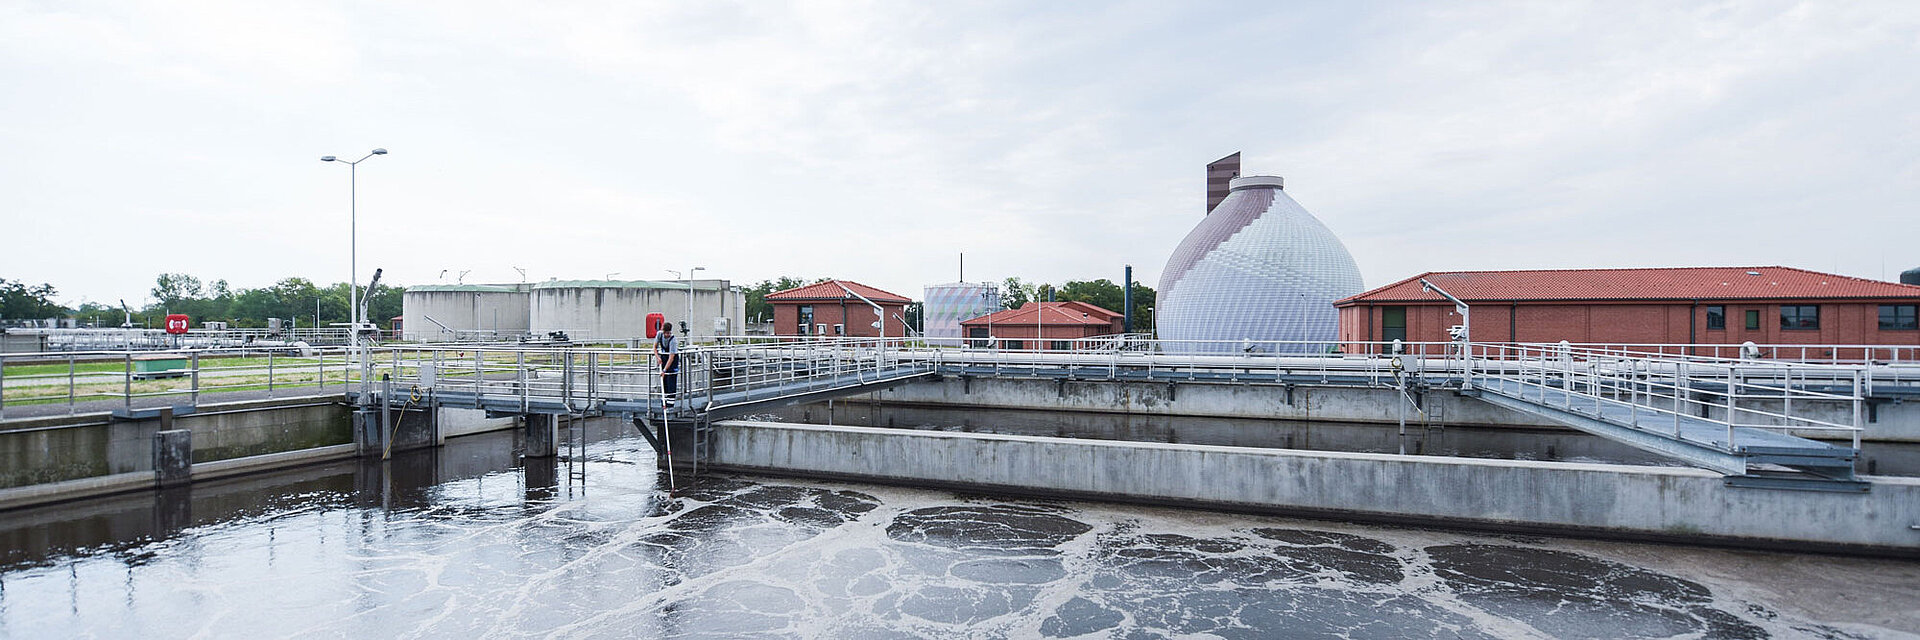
1762,422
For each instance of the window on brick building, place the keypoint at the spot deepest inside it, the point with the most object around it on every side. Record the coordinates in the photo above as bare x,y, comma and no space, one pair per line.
1393,323
1799,316
806,319
1062,345
1716,317
1753,319
1899,317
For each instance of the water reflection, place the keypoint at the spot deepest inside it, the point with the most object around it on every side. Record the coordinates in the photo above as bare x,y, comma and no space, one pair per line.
469,541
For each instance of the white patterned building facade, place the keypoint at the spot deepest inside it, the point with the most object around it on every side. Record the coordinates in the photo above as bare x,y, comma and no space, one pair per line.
1258,268
945,305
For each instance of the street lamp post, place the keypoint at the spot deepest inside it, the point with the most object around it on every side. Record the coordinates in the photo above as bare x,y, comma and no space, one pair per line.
688,328
353,241
355,313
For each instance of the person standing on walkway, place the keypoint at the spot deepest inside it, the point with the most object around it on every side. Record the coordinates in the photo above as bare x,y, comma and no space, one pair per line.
668,350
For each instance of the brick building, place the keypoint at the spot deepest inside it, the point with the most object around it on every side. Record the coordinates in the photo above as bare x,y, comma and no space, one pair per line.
1694,305
1054,323
837,308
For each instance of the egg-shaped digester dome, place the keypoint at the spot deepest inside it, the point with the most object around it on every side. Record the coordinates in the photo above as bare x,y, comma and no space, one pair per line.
1258,268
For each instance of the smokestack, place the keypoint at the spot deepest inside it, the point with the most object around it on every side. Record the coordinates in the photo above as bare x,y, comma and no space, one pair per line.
1126,295
1219,173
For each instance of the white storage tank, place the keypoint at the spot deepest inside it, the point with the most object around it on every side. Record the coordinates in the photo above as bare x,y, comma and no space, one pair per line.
616,310
440,312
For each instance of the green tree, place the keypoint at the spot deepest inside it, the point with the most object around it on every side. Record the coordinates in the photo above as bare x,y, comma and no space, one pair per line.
757,305
1014,293
916,315
19,301
171,289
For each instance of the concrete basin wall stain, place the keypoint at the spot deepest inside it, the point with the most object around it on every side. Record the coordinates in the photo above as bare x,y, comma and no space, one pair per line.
225,436
41,456
1627,501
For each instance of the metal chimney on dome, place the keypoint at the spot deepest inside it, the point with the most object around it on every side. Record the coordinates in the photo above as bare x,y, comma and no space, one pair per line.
1219,174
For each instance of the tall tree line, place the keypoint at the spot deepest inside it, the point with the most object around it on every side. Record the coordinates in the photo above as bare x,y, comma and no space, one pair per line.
296,300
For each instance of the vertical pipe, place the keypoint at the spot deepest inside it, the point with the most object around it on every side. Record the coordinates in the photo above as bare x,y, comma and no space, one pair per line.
269,374
1126,297
193,397
126,388
1679,373
70,369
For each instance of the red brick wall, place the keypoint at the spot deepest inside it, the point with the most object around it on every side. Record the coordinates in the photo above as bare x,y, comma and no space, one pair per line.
1841,322
855,315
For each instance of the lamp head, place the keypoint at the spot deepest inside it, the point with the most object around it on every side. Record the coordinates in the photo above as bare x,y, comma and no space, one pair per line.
379,152
327,158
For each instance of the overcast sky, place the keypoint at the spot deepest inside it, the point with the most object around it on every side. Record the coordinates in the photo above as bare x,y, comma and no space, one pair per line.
876,142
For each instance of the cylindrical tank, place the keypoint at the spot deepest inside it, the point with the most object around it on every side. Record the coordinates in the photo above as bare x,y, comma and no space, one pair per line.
948,304
615,310
1910,276
1259,267
443,312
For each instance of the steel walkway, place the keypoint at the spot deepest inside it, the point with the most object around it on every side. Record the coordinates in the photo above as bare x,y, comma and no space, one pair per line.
1740,418
1698,441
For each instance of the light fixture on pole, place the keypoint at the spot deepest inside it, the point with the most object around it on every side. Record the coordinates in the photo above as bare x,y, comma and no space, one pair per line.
353,239
687,328
355,314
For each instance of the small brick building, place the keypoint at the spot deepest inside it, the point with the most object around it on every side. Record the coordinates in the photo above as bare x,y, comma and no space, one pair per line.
1694,305
1054,323
835,308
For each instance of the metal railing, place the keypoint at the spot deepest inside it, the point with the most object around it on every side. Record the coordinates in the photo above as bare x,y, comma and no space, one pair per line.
754,368
93,379
1658,393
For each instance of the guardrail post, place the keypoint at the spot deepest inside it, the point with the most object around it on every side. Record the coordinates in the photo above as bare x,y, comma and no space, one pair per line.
126,387
1732,391
1857,402
1679,374
3,388
269,373
70,371
1786,400
193,396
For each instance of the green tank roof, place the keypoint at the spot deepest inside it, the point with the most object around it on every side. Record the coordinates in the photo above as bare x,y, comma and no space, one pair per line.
609,284
464,288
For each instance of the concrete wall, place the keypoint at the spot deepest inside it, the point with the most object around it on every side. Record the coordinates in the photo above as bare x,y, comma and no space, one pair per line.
49,450
1891,422
1653,503
1331,404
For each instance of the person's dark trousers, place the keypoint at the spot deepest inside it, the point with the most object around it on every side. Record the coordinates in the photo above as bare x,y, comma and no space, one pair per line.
672,377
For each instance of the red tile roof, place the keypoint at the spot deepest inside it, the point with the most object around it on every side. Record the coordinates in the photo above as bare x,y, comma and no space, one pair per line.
1049,314
829,290
1681,283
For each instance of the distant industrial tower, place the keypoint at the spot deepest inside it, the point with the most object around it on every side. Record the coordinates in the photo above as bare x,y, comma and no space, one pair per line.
1219,174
